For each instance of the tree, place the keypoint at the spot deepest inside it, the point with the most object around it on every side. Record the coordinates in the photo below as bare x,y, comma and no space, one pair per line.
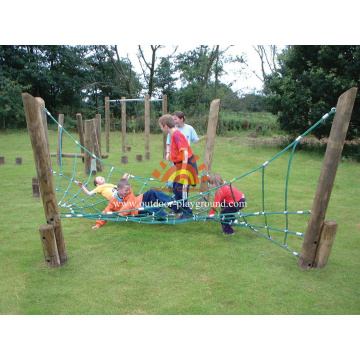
308,84
196,68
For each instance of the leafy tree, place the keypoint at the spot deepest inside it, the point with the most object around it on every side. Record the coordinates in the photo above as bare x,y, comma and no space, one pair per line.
308,84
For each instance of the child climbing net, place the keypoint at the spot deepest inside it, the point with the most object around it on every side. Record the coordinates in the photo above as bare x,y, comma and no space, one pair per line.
74,203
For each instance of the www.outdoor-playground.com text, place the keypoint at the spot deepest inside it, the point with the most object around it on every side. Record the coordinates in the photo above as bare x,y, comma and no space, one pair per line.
196,205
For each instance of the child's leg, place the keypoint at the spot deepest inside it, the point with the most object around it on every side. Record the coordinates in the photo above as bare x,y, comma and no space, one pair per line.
181,192
226,227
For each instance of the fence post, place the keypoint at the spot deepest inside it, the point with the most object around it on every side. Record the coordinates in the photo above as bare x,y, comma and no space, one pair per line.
36,130
327,177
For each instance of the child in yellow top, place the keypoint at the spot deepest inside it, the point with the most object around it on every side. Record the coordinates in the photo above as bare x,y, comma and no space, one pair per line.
101,187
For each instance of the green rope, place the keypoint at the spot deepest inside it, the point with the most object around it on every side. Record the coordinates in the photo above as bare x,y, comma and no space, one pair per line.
76,204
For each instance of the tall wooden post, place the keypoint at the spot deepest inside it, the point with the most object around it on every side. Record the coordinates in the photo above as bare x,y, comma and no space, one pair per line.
80,132
95,147
35,126
210,138
87,126
164,111
44,120
147,127
98,131
327,177
123,124
107,123
59,143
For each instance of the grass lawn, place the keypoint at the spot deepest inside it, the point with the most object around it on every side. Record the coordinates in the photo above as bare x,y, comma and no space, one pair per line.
129,268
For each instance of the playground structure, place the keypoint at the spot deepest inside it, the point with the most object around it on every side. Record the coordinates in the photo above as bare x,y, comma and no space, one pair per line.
319,234
123,102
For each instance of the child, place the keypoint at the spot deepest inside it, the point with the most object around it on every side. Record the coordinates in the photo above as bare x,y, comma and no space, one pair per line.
124,199
188,131
101,187
229,198
180,153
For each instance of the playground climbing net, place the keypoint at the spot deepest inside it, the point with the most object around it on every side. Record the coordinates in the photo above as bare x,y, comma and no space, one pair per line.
74,203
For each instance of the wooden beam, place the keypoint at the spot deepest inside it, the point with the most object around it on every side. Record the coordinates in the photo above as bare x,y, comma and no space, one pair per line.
59,138
107,123
43,167
123,124
210,138
327,177
147,127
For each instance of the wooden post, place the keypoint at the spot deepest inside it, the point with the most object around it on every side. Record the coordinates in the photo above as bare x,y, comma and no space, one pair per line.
327,177
124,159
87,126
164,111
123,124
326,240
44,120
147,127
210,138
139,158
48,241
18,161
59,138
43,166
128,148
95,147
107,123
80,132
2,160
98,131
36,188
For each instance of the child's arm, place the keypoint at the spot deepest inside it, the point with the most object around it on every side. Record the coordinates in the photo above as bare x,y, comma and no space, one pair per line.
86,191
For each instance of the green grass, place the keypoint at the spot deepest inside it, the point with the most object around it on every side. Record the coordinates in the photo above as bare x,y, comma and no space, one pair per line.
128,268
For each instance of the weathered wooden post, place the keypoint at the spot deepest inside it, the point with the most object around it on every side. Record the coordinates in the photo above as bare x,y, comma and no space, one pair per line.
326,240
18,161
98,131
43,167
87,158
48,240
147,127
95,147
36,188
2,160
107,123
80,132
59,138
164,111
123,124
210,139
327,177
124,159
44,120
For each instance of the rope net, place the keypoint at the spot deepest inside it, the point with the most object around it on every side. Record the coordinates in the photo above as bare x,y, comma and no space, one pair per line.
274,226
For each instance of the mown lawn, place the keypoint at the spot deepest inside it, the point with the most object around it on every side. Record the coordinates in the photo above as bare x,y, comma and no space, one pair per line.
129,268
